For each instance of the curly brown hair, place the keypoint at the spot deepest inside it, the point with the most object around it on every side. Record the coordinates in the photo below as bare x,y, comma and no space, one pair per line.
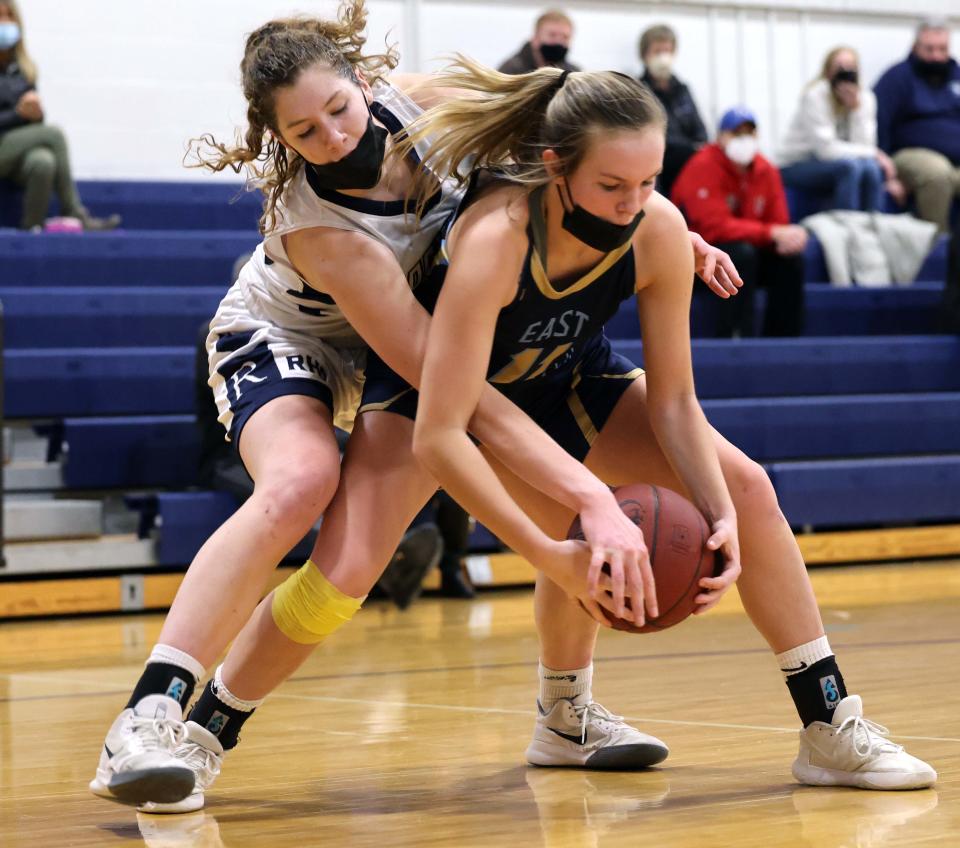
275,56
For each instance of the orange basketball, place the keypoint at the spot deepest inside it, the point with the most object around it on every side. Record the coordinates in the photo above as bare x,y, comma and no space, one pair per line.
676,536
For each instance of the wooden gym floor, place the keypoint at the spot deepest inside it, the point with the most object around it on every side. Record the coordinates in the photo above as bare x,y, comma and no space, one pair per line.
408,729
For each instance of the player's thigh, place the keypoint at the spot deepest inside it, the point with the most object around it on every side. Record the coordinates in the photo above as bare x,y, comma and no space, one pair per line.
627,451
382,488
289,437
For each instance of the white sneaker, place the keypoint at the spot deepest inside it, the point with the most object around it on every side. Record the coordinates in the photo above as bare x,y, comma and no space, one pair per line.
590,736
853,751
202,752
137,762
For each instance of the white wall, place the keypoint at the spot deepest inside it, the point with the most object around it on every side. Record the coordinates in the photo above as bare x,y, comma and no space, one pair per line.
131,81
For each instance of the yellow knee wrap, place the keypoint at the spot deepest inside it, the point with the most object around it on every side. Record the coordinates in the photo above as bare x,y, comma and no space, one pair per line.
307,607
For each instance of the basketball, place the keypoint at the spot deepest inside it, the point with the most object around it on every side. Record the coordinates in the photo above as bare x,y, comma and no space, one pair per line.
676,536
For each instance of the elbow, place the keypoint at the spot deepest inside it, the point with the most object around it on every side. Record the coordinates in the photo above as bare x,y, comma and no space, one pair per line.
427,446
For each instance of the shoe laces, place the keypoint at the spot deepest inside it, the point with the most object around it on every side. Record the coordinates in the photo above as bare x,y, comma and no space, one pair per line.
591,711
204,762
868,736
156,734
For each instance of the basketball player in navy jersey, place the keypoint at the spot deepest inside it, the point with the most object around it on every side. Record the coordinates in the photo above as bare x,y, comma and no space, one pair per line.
535,268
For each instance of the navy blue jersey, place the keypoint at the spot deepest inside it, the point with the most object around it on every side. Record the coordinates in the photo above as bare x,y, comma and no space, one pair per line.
549,355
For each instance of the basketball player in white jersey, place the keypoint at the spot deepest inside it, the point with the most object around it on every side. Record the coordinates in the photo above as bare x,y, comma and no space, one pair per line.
287,351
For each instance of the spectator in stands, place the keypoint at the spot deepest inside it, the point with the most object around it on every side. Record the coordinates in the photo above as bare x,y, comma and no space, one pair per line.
734,198
552,34
686,133
32,153
831,144
918,121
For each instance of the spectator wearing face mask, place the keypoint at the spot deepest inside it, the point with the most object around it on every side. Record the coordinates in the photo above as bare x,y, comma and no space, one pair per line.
552,35
734,198
686,133
918,121
33,153
831,144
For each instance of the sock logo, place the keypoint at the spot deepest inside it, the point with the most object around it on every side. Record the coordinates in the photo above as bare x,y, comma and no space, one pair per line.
176,689
217,722
570,678
831,694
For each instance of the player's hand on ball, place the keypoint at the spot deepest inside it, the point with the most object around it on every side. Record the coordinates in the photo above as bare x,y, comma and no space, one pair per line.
567,564
615,539
725,540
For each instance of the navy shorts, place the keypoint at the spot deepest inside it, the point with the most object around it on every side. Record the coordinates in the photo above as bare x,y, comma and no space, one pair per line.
572,406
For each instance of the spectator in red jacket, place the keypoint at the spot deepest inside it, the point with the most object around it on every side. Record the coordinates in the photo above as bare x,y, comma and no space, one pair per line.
734,198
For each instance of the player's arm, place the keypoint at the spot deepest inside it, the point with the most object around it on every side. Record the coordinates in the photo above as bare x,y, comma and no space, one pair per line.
423,89
663,299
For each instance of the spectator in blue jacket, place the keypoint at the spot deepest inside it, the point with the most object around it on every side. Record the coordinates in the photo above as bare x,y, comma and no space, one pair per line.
918,121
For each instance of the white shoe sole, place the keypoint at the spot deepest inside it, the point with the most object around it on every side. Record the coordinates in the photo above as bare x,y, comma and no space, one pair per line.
190,804
889,781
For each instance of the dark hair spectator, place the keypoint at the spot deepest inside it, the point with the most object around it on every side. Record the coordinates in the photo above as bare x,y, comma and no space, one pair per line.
32,153
552,34
734,198
686,133
831,144
918,121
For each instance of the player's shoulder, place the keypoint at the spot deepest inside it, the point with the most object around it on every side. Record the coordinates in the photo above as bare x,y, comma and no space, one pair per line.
662,223
497,214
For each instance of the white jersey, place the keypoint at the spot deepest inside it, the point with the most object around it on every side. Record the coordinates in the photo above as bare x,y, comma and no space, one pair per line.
273,290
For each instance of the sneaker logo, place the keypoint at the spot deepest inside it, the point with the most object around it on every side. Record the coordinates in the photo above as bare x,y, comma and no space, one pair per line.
217,722
109,752
800,667
570,678
577,739
831,694
176,689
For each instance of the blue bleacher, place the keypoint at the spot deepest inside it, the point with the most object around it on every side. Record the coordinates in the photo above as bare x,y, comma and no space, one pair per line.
132,452
851,492
106,316
751,368
934,268
61,382
830,311
122,258
152,205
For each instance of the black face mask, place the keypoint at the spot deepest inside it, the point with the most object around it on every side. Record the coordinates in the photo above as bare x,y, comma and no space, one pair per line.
360,168
596,232
553,53
845,75
935,73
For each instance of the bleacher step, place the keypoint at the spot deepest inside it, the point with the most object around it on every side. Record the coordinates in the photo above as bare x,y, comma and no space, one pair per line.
31,518
105,553
28,476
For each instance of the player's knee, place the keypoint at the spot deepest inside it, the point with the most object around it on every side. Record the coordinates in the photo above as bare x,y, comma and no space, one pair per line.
752,489
298,497
307,607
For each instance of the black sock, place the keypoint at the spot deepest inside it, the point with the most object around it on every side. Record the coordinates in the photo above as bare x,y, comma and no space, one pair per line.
222,720
164,679
817,690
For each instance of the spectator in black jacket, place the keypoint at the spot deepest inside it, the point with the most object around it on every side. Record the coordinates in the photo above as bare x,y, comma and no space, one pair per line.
32,153
686,133
548,47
